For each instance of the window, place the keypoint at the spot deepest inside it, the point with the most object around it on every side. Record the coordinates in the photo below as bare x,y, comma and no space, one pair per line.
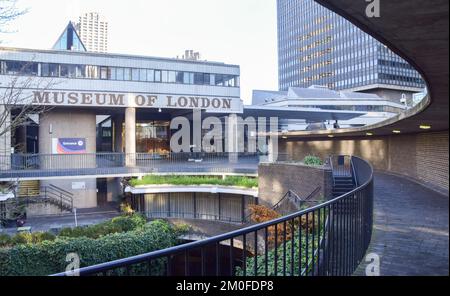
19,68
157,75
127,74
69,71
180,76
198,78
142,74
164,76
150,75
172,77
119,74
113,72
135,74
91,72
104,73
50,70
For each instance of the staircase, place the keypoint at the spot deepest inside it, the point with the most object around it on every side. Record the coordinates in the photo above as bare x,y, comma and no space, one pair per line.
343,174
29,188
342,185
50,194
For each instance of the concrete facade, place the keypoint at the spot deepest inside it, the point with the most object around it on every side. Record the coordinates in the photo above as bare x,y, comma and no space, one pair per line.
421,157
70,124
275,179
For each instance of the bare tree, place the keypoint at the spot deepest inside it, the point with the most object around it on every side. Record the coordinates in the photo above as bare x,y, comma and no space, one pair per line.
8,13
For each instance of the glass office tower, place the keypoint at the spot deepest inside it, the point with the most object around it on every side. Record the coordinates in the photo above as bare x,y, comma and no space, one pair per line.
318,47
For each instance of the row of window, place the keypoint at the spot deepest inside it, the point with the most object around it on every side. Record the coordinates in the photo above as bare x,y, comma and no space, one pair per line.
116,73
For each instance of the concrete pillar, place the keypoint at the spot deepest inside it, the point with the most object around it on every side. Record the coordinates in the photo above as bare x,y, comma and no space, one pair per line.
232,138
117,121
130,136
5,141
272,149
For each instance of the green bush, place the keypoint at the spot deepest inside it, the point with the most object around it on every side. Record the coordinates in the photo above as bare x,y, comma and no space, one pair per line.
116,225
312,160
128,223
39,237
22,238
5,240
196,180
49,257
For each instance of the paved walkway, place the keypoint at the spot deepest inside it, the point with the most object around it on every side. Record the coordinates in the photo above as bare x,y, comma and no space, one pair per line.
58,222
411,231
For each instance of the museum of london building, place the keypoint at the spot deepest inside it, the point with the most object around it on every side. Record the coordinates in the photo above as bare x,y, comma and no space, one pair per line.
98,117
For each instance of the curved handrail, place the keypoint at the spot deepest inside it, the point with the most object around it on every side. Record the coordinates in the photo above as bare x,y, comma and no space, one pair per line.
216,239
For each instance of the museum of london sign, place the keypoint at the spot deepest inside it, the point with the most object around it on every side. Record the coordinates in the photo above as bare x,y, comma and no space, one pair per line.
101,99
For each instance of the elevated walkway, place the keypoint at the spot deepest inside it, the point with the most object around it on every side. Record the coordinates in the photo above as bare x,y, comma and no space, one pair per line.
411,229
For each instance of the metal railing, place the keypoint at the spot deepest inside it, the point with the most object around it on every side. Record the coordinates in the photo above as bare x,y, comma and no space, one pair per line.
49,194
47,165
327,239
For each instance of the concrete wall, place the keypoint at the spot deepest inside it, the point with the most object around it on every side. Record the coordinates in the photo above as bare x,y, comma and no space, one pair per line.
275,179
70,124
422,157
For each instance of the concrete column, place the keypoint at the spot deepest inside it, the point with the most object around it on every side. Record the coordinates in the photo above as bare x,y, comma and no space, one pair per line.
130,136
5,142
232,138
272,149
117,121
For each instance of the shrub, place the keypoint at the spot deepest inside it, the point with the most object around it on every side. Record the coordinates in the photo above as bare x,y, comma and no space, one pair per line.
116,225
38,237
196,180
126,209
312,160
22,238
49,257
126,223
5,240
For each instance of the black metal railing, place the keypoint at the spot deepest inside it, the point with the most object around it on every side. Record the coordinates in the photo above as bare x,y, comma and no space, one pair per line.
327,239
55,165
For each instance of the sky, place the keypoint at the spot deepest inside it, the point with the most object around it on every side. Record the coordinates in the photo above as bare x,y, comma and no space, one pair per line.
241,32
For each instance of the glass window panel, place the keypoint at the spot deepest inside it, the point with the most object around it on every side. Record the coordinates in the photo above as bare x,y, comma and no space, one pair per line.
186,77
91,72
50,70
127,74
104,73
198,78
142,74
172,77
135,74
180,77
113,71
157,75
164,77
150,75
119,74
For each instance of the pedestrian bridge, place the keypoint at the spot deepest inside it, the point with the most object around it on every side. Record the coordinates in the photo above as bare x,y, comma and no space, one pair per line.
101,165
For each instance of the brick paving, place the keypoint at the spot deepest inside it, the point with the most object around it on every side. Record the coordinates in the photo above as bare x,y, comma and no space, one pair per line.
411,229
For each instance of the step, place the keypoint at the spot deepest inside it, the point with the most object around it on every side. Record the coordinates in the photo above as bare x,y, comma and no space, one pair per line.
29,188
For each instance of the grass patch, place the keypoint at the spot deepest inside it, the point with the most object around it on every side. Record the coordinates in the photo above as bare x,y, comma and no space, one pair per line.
237,181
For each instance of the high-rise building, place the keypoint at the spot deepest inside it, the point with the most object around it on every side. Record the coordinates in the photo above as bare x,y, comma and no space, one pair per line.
318,47
93,31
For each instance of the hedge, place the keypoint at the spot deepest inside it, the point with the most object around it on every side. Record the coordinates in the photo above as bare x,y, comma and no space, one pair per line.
49,257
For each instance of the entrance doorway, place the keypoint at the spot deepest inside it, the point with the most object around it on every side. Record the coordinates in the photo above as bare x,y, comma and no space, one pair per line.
102,192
